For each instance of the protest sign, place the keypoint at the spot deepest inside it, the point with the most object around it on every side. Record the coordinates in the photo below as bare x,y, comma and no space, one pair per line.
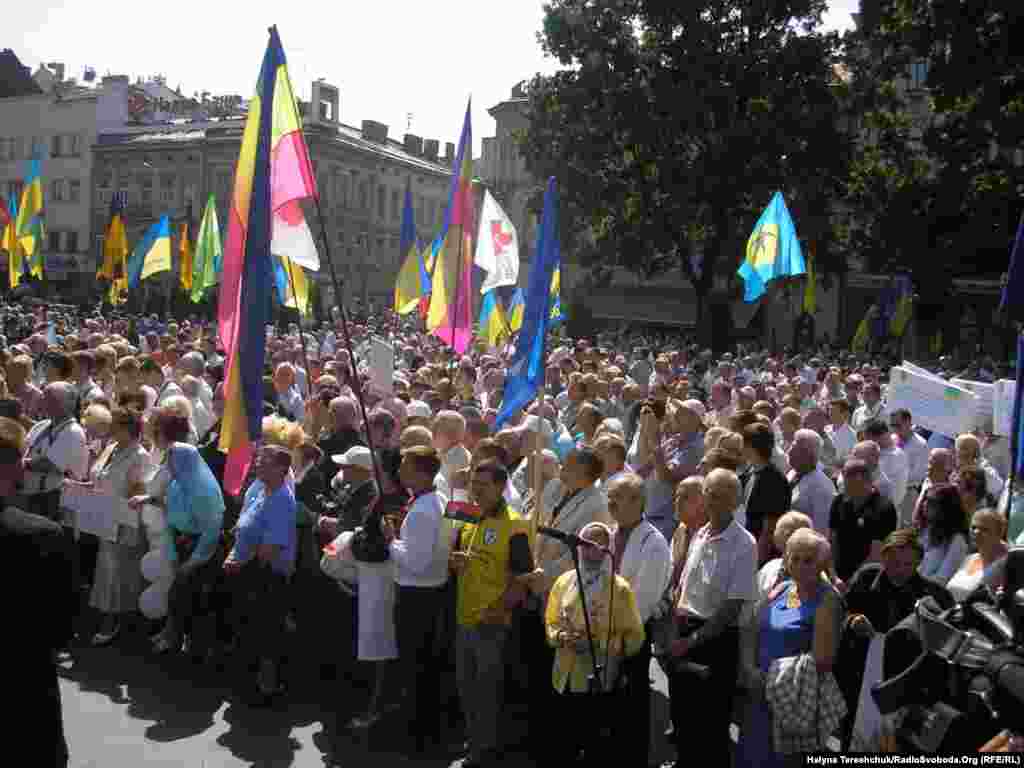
1002,406
985,394
97,513
935,404
382,366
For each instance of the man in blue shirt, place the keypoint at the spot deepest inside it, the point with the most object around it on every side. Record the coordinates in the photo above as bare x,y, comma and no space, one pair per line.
262,561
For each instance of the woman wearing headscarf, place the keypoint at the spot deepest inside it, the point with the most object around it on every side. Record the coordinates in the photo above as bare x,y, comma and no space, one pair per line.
617,633
194,516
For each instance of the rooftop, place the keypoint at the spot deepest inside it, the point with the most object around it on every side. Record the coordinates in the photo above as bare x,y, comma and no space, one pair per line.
185,131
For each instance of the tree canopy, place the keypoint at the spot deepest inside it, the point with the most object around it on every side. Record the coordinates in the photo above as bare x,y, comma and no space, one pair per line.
672,123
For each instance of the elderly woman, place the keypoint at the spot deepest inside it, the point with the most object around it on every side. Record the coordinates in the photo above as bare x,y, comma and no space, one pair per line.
943,536
96,422
119,473
613,615
800,616
180,405
988,530
194,515
774,571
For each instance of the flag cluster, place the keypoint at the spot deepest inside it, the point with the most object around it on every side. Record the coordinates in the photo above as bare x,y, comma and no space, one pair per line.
273,176
21,227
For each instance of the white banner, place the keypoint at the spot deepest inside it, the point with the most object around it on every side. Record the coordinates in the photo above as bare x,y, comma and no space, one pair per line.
934,404
382,367
497,246
1002,406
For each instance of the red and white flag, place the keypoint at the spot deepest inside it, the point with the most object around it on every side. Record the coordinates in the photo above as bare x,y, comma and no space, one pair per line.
497,246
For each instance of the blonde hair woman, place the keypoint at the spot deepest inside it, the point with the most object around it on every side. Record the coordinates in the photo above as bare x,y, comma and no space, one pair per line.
799,617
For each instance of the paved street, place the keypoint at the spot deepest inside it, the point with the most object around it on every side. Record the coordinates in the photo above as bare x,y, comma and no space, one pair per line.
124,708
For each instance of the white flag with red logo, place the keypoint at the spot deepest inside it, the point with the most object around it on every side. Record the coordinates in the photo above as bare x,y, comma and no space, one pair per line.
497,247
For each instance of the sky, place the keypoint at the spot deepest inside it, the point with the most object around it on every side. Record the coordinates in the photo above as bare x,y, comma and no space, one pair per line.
390,59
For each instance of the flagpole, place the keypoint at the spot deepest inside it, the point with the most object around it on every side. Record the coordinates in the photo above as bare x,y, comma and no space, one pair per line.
302,339
357,386
458,285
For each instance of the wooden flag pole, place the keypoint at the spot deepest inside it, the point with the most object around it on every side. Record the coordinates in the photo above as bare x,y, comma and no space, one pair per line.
302,339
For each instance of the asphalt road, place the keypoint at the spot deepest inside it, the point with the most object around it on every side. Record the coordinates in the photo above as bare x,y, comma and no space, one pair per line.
124,707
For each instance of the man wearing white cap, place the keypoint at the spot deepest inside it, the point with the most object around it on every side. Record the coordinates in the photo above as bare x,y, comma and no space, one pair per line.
354,490
419,414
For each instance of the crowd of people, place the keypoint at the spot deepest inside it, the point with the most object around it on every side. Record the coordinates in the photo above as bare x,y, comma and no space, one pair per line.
749,523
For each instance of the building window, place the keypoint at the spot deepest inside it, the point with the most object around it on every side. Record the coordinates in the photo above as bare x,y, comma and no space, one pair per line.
364,202
19,149
105,178
168,186
74,190
38,145
394,205
73,145
59,191
918,74
441,210
71,242
14,189
323,188
56,143
4,149
54,242
106,196
382,203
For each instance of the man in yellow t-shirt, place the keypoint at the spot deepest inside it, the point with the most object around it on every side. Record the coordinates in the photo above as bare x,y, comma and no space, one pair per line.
489,556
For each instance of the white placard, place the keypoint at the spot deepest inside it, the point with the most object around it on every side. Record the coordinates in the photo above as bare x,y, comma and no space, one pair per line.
985,393
920,371
382,366
935,404
97,513
1002,406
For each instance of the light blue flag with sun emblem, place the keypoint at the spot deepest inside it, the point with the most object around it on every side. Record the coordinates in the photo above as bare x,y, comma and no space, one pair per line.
773,250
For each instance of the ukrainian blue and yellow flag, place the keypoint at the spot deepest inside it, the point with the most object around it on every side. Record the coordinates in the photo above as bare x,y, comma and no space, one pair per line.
773,250
29,224
9,242
409,285
291,284
152,253
903,294
556,297
493,324
516,307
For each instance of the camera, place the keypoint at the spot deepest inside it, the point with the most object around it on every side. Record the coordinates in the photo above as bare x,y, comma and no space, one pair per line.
956,677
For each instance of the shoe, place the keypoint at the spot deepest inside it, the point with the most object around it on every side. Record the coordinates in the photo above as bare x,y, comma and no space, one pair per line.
101,639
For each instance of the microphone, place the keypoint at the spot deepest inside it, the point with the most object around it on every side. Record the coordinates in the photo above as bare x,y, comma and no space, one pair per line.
568,539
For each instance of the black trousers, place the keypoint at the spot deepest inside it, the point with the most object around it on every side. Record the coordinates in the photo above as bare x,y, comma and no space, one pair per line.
585,721
45,504
538,658
259,603
702,709
419,617
633,730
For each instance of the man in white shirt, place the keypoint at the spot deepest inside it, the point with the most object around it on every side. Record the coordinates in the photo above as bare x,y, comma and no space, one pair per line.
640,555
719,577
193,364
915,448
872,408
891,460
421,556
55,448
813,491
839,431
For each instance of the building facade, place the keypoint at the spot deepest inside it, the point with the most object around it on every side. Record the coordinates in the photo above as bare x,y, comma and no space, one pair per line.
60,124
361,177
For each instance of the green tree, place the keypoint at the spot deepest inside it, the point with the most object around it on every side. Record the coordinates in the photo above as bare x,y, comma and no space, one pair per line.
964,215
673,123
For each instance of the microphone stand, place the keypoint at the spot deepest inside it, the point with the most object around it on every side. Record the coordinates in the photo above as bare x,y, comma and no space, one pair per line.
595,679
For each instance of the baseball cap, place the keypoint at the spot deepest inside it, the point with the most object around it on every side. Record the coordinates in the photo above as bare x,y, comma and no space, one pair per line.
534,423
357,456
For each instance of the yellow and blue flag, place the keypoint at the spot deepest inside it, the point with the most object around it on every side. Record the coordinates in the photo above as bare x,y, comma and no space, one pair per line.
9,242
516,306
903,305
556,293
526,372
811,289
493,324
152,253
291,284
30,229
409,285
773,250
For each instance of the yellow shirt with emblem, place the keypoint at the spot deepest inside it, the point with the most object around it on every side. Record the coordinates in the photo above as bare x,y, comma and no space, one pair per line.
487,575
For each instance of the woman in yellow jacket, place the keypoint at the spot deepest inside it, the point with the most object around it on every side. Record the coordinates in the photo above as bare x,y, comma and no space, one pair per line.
587,715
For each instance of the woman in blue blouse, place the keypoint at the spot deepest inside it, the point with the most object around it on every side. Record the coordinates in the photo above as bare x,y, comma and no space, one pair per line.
194,514
800,616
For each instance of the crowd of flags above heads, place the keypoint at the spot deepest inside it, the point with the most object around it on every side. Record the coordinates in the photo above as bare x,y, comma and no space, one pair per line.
22,231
